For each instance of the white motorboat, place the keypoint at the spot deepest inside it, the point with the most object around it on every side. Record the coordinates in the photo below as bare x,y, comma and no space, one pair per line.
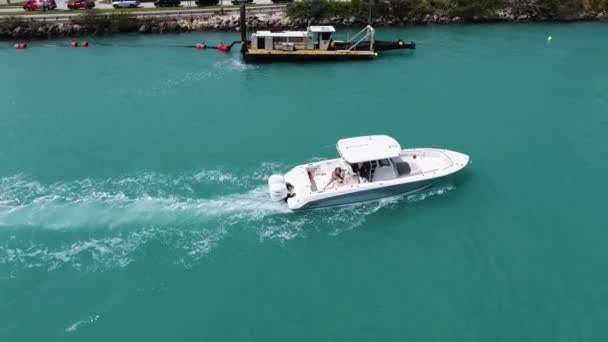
369,168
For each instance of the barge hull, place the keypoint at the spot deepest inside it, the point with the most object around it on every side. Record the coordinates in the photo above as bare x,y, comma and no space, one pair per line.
255,55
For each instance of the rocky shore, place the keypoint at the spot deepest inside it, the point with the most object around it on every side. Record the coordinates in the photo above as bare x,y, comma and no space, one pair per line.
14,28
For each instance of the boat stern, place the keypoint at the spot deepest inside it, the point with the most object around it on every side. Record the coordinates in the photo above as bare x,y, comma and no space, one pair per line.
293,187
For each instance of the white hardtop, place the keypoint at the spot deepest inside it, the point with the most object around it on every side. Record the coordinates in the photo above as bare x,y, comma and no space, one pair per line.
367,148
316,29
297,34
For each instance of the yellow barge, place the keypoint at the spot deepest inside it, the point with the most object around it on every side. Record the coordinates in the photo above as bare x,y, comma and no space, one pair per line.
314,44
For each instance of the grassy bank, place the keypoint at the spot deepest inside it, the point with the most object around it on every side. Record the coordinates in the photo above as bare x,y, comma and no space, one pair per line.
12,4
465,9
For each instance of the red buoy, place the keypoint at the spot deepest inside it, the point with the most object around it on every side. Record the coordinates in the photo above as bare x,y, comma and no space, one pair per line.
17,46
84,44
20,46
74,44
223,47
200,46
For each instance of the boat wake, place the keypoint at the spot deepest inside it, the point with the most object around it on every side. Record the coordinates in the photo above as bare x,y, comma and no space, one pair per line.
97,225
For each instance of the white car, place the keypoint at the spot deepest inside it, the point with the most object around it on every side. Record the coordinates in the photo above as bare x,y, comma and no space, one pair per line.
125,3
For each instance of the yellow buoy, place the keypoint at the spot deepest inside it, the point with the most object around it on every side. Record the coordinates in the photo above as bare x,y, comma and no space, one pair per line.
549,38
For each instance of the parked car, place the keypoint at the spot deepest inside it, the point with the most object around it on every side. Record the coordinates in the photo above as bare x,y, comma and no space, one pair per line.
43,5
241,2
80,4
125,3
201,3
167,3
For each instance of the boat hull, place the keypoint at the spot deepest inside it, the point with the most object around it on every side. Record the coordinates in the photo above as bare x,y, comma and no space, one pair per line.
416,169
370,195
379,45
268,56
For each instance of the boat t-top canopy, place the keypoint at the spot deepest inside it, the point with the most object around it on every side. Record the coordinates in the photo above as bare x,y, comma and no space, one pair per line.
367,148
290,34
316,29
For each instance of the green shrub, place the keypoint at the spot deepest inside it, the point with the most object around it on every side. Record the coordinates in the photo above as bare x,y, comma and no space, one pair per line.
471,8
319,9
467,9
559,8
407,8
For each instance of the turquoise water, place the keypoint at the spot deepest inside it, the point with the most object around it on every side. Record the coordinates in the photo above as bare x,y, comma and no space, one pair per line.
133,203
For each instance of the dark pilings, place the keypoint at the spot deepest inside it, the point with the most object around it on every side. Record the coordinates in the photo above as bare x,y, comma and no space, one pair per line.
243,27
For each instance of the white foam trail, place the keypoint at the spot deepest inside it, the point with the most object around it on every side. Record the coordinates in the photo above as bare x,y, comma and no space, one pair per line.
75,326
146,198
105,224
114,209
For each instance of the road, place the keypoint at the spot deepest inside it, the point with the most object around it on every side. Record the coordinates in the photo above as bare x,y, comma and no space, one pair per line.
62,5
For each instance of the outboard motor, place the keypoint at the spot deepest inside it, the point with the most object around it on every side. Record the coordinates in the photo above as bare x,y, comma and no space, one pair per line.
277,188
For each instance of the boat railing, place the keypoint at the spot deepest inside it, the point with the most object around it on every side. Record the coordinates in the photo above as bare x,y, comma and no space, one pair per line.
367,33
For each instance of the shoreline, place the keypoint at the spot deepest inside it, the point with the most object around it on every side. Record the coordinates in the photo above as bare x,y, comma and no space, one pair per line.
101,24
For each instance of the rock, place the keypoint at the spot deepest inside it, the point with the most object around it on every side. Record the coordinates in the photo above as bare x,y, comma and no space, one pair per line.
584,15
55,28
504,14
172,26
143,28
76,28
17,31
522,17
600,15
65,30
456,19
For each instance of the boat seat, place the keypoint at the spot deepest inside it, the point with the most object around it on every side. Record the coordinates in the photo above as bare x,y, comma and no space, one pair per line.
403,168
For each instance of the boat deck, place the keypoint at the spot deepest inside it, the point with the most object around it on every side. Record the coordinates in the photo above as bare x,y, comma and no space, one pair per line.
323,171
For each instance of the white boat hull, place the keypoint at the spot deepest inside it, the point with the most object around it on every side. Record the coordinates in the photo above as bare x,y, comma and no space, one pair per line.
428,166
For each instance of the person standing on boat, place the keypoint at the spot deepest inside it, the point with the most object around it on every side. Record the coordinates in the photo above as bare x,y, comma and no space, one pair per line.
364,171
336,176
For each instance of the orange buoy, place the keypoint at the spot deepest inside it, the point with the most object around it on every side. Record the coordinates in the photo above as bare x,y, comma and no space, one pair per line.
200,46
84,44
74,44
